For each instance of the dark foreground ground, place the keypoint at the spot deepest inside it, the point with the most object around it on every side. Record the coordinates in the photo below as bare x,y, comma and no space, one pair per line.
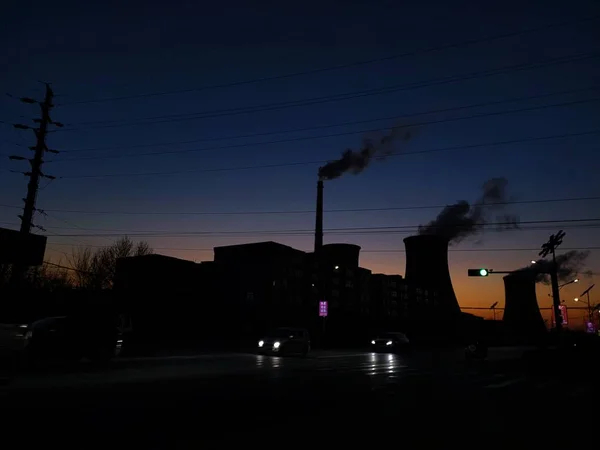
327,399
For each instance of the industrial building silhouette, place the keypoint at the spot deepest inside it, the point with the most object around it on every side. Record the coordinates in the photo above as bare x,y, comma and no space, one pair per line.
248,288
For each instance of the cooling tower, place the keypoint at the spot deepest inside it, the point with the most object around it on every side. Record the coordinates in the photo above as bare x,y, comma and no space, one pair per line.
319,218
427,268
343,255
522,316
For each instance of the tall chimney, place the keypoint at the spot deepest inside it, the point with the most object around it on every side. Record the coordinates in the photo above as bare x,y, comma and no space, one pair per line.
319,218
522,316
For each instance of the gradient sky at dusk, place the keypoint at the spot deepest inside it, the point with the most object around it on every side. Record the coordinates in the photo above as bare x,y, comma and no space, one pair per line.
96,53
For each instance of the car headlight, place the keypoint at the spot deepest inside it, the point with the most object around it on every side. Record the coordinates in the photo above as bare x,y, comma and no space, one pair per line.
373,342
388,343
261,343
276,344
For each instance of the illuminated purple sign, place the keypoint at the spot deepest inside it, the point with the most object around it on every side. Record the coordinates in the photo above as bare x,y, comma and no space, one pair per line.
590,328
323,309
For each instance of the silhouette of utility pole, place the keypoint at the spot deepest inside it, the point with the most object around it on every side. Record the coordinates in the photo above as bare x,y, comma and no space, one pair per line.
36,166
550,247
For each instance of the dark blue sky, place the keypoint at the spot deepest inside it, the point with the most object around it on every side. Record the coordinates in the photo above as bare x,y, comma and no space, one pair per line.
94,52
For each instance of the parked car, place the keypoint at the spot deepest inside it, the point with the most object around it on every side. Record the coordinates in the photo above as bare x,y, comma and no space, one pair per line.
62,338
285,341
390,342
13,337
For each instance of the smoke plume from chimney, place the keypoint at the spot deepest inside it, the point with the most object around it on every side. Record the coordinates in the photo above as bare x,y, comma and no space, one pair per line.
355,161
460,220
569,265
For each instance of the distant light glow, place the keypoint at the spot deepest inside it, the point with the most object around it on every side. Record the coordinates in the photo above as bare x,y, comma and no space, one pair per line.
276,344
388,343
373,342
261,343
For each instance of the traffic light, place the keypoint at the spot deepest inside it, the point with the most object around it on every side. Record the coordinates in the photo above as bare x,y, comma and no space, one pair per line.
479,272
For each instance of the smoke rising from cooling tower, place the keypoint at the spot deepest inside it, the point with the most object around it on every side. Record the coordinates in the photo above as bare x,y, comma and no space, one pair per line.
355,161
569,265
460,220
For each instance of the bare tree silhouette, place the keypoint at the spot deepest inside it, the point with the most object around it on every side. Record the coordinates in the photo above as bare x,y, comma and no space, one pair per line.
96,269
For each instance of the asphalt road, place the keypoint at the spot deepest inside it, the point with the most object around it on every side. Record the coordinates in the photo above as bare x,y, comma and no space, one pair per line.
340,397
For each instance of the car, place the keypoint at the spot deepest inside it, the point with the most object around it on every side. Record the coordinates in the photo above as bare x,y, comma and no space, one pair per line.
285,341
13,337
390,342
61,338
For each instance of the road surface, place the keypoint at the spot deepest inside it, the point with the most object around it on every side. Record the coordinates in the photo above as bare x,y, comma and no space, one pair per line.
187,400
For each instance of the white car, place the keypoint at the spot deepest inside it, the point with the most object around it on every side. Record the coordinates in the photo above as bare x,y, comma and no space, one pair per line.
390,342
285,341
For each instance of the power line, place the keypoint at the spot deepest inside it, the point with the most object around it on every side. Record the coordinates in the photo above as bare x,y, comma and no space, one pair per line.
334,125
329,230
338,97
283,233
73,225
324,161
59,266
304,211
340,66
346,133
452,250
79,241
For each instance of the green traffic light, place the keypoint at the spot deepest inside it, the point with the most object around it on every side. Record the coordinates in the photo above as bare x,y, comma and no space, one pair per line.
483,272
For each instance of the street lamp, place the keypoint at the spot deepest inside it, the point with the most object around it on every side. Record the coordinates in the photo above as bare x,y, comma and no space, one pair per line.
576,280
589,306
493,308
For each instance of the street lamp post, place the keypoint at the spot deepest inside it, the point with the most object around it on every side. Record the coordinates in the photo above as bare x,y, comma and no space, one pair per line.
589,305
493,308
576,280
